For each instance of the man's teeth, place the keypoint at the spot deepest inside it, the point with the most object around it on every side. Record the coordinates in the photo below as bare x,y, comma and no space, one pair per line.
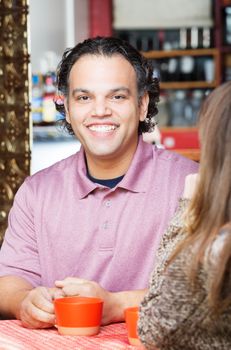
102,128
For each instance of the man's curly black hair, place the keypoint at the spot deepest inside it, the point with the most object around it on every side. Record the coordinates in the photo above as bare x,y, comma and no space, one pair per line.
109,46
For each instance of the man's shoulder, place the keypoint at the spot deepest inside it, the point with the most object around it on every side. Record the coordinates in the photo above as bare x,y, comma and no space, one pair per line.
174,159
50,184
168,155
62,165
61,169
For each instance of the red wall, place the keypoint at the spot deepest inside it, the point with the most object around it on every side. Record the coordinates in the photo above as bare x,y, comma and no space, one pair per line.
100,17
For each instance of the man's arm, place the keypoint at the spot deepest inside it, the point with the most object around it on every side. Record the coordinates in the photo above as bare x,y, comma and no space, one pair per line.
33,306
119,301
12,291
114,303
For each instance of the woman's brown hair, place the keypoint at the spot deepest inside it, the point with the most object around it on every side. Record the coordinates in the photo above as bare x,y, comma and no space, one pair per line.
210,210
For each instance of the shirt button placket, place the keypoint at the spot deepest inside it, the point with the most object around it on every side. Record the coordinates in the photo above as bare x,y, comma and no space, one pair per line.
108,203
107,242
105,225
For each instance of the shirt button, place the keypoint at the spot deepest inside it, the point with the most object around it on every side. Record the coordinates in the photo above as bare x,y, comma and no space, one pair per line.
105,225
108,203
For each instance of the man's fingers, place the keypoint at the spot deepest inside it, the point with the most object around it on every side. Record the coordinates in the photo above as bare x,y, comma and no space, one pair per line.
69,280
57,293
37,309
72,289
43,301
32,317
42,315
88,289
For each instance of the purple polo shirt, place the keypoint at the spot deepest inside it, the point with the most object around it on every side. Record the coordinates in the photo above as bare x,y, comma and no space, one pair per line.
62,224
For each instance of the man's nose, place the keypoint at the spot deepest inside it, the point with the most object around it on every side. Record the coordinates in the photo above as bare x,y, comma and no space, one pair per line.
101,109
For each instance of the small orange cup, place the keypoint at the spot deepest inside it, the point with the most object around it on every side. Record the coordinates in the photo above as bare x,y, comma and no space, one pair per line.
78,315
131,318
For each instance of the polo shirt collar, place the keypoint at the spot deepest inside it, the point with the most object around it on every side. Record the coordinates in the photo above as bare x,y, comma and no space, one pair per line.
136,179
84,184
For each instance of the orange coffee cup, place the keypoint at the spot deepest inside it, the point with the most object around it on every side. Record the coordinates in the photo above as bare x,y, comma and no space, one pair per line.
78,315
131,318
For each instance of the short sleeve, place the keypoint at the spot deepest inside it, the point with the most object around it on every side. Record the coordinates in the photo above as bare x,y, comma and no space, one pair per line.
19,254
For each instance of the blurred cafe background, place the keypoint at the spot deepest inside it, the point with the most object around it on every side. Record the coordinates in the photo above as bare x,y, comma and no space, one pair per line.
188,43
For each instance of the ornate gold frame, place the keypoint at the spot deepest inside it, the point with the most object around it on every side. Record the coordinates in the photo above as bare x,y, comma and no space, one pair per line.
15,154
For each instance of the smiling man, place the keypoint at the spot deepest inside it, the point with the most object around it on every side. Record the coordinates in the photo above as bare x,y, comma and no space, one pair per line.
105,113
89,224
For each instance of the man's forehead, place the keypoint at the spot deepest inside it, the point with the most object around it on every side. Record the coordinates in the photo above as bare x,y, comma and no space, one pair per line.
85,59
102,73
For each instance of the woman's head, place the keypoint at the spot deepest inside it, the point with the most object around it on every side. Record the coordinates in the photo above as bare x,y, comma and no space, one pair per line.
215,138
109,46
215,127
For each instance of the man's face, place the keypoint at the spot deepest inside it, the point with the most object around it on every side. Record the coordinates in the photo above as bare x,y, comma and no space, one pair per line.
103,107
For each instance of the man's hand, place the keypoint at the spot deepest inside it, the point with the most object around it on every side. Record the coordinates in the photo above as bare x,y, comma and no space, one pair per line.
77,286
114,303
37,309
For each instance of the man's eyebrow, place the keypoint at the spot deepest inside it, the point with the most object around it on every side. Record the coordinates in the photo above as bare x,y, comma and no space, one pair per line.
86,91
121,88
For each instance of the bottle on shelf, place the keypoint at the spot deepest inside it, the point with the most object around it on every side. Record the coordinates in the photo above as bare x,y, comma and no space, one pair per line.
49,111
228,25
199,72
209,69
206,38
183,38
187,64
177,104
184,107
173,69
37,99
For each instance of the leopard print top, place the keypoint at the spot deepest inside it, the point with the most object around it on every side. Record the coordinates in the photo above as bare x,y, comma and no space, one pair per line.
173,315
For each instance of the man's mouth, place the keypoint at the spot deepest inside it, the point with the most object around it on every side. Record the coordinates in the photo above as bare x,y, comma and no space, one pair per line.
102,128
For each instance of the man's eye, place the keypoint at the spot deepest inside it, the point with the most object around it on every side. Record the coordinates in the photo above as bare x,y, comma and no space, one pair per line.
83,98
119,97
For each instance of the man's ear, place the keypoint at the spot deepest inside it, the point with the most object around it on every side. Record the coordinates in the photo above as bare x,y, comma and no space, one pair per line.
67,116
144,101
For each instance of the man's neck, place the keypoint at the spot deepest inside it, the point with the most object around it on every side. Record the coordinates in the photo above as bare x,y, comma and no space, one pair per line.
102,168
111,183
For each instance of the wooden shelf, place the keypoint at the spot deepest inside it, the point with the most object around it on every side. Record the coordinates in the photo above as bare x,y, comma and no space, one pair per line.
193,52
178,128
188,85
179,53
